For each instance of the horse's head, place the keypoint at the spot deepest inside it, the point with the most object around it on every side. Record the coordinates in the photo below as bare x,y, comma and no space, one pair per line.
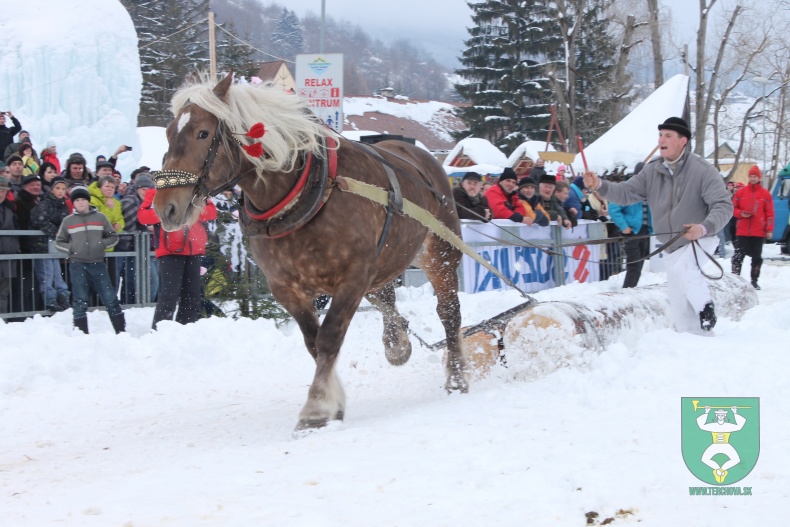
205,156
199,162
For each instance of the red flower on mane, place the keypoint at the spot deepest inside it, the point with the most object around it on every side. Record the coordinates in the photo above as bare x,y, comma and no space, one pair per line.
257,131
253,150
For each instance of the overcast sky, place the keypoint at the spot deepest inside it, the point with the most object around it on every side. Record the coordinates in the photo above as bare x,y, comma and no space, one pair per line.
438,26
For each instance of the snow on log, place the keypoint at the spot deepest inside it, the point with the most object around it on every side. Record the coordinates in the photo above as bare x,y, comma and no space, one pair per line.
533,340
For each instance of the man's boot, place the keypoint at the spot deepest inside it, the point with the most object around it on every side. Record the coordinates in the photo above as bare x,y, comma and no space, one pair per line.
118,323
81,324
707,317
756,275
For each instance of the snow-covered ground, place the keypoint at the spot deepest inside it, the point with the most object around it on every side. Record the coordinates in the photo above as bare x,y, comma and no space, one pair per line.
192,425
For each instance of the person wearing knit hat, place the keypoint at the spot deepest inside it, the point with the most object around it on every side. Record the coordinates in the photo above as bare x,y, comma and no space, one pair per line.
144,180
470,203
527,193
79,193
503,199
561,173
754,223
686,195
85,249
508,173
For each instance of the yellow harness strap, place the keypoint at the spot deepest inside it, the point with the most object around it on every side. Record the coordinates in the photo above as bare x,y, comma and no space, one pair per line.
379,195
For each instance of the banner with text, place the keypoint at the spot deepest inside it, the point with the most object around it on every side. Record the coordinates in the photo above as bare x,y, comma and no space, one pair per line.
529,268
319,80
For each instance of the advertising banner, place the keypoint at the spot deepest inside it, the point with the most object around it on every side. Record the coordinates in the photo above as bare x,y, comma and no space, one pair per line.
529,268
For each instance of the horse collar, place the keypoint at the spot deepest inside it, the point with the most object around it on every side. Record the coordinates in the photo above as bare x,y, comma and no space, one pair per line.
301,203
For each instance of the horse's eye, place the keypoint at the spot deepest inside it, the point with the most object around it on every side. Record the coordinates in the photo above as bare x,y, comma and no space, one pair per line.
202,134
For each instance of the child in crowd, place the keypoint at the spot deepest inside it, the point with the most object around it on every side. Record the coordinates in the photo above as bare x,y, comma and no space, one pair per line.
85,235
47,216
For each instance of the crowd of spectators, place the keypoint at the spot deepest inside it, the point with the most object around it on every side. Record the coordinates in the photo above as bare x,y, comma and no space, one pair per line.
535,198
37,194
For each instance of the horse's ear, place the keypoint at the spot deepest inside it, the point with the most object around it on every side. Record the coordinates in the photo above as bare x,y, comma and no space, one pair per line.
193,78
222,87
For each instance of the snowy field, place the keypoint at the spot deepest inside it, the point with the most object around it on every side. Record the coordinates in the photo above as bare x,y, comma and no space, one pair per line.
192,425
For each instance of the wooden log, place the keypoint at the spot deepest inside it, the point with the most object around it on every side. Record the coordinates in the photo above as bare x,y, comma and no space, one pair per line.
532,340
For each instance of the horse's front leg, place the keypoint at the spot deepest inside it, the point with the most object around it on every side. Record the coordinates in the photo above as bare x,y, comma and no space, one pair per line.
326,399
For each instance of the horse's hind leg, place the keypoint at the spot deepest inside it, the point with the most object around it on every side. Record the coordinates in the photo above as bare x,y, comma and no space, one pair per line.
397,347
440,262
326,399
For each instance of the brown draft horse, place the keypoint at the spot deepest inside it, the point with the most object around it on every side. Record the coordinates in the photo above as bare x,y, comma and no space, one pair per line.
337,251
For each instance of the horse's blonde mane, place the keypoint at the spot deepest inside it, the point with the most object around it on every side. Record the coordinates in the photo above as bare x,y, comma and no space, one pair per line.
290,127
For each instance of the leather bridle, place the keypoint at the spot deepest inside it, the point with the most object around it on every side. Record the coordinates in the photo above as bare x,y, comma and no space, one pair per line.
180,178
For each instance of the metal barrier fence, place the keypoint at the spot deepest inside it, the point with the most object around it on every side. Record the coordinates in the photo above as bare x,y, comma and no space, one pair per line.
135,273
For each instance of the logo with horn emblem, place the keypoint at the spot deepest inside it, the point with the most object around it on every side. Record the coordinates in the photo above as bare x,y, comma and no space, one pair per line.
720,437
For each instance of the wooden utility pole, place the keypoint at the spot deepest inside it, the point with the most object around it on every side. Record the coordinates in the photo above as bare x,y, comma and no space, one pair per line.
212,47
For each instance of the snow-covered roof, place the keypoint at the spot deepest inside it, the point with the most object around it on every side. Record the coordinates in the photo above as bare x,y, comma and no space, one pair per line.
633,138
480,151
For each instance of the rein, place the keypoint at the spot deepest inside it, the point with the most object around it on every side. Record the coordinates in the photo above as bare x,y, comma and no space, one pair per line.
543,248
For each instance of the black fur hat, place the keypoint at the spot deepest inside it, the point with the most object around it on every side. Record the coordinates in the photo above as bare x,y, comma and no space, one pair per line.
678,125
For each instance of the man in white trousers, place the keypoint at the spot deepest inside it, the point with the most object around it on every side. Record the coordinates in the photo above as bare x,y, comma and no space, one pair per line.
684,192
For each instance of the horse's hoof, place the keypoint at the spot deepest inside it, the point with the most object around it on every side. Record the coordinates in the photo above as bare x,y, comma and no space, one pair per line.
340,415
397,356
456,384
311,424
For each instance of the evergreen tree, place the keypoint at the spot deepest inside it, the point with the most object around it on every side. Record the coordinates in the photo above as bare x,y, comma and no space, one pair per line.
600,102
287,35
524,55
234,54
506,86
583,81
173,41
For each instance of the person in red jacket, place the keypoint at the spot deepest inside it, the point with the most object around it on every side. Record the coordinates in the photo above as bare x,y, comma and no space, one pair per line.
504,202
178,254
754,216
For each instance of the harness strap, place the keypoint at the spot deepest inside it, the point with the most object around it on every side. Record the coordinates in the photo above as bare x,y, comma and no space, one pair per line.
379,195
546,250
394,196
